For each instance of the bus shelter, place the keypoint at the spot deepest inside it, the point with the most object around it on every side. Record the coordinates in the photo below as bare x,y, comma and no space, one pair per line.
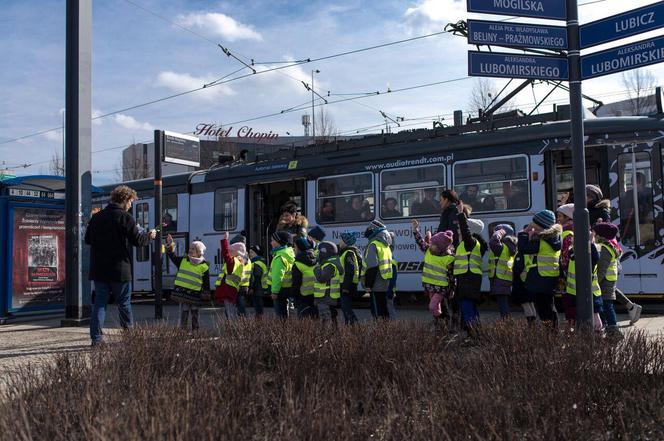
32,249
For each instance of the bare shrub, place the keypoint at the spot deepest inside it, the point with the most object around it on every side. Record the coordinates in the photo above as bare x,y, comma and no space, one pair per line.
301,380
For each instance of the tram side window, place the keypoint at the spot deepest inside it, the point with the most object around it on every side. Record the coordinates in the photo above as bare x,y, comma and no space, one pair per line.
347,198
636,201
143,221
411,191
491,185
225,210
170,212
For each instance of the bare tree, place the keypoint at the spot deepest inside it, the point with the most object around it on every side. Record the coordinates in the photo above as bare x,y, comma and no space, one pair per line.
326,129
639,84
56,166
482,95
131,166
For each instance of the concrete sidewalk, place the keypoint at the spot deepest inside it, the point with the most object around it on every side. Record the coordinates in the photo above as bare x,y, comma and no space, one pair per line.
37,340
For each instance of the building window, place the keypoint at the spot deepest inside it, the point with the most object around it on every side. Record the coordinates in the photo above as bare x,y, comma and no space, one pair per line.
636,201
411,191
493,185
170,213
225,209
143,221
345,198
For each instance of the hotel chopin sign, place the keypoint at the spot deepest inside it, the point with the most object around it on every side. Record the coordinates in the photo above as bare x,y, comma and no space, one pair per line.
214,130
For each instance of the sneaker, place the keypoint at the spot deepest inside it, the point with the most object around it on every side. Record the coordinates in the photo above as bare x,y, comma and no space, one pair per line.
634,313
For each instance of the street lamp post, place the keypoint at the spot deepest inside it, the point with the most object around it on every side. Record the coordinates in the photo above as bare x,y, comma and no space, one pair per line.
313,116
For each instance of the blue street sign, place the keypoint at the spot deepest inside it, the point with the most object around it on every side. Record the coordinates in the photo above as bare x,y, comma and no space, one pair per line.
502,65
517,35
622,25
629,56
553,9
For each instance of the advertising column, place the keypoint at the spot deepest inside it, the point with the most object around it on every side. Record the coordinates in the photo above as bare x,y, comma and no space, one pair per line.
38,258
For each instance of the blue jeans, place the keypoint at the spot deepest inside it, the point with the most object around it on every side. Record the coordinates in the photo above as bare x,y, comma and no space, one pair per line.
469,312
347,308
103,290
608,314
503,306
242,301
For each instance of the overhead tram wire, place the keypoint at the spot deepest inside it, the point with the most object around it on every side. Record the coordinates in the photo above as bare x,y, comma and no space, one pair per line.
225,80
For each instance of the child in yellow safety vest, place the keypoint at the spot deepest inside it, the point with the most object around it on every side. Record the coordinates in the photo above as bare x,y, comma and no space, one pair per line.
502,250
259,276
437,271
303,278
468,268
247,267
229,280
607,273
351,259
192,281
329,274
377,267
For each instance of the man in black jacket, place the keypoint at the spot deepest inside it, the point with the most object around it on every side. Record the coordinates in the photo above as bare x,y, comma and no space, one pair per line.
110,234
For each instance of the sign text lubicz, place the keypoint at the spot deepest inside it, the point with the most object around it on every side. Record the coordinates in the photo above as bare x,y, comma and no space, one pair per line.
181,149
622,25
552,9
517,35
503,65
621,58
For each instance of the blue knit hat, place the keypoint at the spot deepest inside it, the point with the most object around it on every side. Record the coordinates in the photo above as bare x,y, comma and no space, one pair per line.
374,228
302,244
348,237
545,219
317,233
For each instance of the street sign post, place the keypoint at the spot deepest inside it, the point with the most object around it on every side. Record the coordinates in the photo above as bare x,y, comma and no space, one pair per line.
621,58
623,25
518,35
503,65
181,149
551,9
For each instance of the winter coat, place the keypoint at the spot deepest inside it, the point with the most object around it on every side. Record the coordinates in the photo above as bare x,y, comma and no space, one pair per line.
298,228
599,210
225,292
608,287
450,221
110,234
501,287
469,285
535,283
372,277
257,277
308,258
277,268
349,268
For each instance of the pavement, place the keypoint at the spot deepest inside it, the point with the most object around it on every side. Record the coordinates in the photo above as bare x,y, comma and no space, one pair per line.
37,340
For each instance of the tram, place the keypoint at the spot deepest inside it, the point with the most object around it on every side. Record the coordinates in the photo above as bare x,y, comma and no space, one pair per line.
506,168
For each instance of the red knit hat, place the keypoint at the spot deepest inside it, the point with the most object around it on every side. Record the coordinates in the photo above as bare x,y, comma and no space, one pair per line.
443,240
606,230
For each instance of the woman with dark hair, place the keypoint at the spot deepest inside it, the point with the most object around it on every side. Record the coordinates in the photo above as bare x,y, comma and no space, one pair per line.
599,209
449,219
290,221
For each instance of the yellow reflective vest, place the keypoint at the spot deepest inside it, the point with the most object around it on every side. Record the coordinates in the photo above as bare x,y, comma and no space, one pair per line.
246,274
235,278
190,276
547,261
501,266
570,285
308,279
331,288
356,272
384,257
465,261
612,270
435,271
261,264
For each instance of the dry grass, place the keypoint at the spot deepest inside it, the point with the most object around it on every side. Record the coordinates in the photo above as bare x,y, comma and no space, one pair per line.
302,381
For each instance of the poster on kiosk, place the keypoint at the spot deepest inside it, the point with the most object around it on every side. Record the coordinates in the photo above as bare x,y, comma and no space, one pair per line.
38,258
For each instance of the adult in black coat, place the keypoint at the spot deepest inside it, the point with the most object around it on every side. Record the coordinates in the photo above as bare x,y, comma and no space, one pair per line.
449,219
110,234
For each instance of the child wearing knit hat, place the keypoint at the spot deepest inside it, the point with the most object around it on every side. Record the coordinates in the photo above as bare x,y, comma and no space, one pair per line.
230,277
539,245
608,268
437,271
502,249
351,260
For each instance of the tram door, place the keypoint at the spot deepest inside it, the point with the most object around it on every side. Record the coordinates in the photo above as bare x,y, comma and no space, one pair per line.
559,164
638,171
143,213
265,200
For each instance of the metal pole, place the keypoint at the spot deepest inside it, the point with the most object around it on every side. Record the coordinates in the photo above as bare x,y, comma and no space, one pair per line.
78,162
158,221
313,117
584,301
